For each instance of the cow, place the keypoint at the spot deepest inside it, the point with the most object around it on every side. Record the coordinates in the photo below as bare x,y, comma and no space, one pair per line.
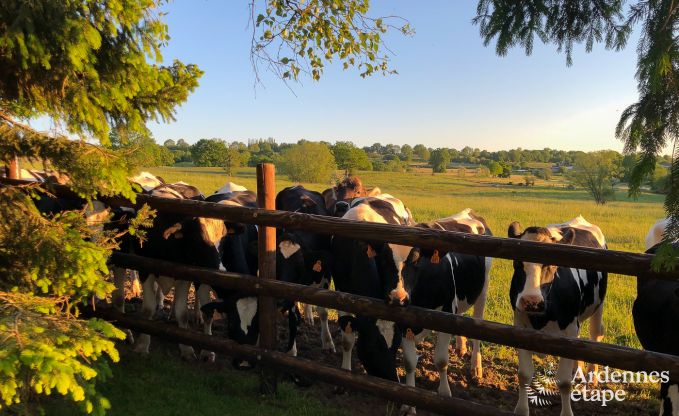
556,299
120,217
238,254
656,320
147,181
447,281
303,257
345,190
182,239
367,268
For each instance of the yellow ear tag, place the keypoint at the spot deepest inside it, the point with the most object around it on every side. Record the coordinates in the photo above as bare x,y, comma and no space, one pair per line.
317,266
435,257
371,251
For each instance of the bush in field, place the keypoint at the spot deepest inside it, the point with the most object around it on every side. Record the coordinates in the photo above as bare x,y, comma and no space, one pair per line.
596,173
350,158
308,162
439,160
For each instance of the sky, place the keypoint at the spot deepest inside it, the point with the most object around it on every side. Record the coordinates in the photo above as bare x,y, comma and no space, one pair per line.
450,90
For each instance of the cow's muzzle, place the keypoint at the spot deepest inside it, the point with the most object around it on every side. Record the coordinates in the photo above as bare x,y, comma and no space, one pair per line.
398,297
531,304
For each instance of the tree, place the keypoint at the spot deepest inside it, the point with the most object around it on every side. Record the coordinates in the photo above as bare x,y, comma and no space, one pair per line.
421,151
439,160
140,150
169,143
293,38
93,67
350,158
596,173
233,157
407,153
296,162
209,152
648,125
494,168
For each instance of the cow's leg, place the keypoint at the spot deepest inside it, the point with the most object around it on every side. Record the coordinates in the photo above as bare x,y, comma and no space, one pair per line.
408,344
669,399
564,375
348,341
136,284
460,346
203,298
181,294
326,338
118,297
596,333
441,359
309,314
479,309
148,311
526,370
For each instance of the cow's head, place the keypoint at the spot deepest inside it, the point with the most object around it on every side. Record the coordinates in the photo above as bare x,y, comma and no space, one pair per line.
389,260
297,264
535,275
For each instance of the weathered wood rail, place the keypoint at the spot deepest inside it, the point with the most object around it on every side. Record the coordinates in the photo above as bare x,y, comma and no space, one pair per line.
580,349
267,288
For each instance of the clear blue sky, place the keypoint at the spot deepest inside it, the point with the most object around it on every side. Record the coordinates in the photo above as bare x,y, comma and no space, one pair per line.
451,91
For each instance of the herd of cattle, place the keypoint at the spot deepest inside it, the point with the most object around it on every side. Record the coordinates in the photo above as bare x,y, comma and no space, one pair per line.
544,297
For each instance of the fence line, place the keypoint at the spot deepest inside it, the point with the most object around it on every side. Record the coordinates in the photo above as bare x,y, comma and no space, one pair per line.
626,263
614,261
389,390
579,349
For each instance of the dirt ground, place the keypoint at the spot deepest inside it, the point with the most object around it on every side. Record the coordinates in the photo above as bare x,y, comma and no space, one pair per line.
497,388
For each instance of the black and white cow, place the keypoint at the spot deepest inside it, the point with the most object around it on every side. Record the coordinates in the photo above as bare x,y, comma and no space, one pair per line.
182,239
450,282
303,257
238,254
372,269
656,320
556,299
120,217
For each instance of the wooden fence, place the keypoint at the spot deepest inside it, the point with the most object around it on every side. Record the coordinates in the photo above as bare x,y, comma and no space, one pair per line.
267,289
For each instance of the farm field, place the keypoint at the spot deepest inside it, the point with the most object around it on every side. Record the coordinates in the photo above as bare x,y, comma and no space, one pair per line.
624,223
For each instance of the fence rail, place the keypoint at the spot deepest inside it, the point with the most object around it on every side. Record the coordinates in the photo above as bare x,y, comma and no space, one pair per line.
389,390
580,349
614,261
266,288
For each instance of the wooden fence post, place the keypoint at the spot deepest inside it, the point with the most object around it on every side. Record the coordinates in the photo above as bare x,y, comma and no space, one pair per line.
266,199
12,169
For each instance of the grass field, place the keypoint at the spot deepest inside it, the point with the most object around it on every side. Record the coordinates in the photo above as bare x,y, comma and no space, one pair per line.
624,223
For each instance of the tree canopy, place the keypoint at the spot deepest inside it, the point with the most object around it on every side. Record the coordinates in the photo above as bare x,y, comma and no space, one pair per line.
308,162
648,125
93,68
596,172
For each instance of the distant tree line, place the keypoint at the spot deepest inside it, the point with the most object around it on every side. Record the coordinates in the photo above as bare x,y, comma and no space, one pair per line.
307,161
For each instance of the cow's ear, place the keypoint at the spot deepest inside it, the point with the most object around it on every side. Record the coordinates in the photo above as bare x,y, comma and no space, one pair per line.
515,230
173,231
307,201
414,256
370,251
